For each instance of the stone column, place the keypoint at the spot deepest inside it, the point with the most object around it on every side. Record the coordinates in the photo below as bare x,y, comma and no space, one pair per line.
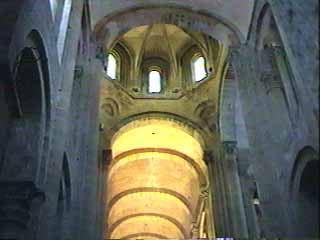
16,198
219,203
235,205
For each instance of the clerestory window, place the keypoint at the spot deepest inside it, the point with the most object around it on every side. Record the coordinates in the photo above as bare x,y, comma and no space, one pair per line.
154,82
199,68
112,66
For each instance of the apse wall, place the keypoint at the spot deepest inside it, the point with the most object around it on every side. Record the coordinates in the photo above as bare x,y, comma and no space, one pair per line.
155,181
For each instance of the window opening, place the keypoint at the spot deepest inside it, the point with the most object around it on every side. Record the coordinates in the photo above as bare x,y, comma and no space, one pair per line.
199,69
112,66
154,82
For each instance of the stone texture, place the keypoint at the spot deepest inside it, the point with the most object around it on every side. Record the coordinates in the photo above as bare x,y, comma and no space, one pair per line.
263,99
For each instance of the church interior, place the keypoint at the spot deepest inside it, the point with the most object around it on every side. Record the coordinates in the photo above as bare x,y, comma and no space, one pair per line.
148,119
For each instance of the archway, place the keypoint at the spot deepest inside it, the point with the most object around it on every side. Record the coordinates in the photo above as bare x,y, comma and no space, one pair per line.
156,182
203,30
24,165
112,27
30,111
305,194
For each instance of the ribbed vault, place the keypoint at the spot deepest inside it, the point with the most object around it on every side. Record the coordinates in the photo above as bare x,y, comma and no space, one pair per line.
154,181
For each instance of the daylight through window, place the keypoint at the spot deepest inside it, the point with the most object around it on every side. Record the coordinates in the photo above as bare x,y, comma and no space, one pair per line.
154,82
199,69
112,66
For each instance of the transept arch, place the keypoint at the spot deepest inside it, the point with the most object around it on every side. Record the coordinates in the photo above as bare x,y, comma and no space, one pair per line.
304,193
188,125
142,146
111,27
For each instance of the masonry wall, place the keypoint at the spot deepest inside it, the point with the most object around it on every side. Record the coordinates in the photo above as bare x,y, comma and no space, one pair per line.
71,198
275,144
66,213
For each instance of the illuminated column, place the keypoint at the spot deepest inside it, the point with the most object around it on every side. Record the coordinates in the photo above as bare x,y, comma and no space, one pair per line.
154,181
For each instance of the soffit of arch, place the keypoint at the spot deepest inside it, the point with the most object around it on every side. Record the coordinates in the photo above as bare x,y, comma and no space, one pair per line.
198,107
110,29
234,14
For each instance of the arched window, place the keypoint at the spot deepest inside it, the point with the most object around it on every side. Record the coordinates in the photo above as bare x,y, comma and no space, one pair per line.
199,68
154,82
112,66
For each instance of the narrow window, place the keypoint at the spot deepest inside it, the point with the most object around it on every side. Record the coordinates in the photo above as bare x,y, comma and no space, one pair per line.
199,69
112,66
154,82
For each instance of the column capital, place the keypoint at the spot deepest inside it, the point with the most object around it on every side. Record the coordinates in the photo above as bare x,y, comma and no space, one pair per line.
230,147
16,198
20,190
233,53
100,55
194,231
208,156
204,194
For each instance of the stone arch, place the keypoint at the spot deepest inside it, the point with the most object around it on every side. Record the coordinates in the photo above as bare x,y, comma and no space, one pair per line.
110,107
227,101
156,130
304,192
28,137
191,53
79,81
155,64
111,27
37,42
124,59
192,128
63,28
276,74
262,24
206,111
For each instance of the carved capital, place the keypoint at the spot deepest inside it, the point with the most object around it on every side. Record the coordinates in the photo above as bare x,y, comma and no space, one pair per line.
78,71
230,147
194,231
278,50
208,156
234,52
204,194
16,198
100,54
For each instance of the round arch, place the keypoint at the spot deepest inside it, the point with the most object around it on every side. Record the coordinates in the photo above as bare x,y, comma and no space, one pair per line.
110,28
192,128
31,112
304,193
